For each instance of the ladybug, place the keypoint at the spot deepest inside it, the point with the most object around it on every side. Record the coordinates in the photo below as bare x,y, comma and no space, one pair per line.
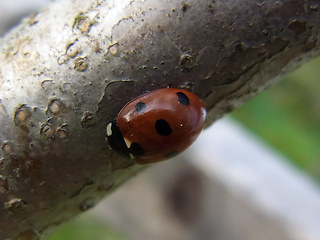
157,125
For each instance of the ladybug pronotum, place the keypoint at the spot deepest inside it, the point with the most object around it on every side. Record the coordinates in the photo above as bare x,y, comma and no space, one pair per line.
157,125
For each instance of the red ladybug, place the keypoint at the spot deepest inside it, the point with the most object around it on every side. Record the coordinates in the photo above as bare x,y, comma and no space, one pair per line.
157,125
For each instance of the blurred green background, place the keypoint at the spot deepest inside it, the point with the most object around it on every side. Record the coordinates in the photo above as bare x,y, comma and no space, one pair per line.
287,117
85,227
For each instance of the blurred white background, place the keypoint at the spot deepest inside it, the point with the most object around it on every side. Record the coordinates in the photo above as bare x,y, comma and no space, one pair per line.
12,11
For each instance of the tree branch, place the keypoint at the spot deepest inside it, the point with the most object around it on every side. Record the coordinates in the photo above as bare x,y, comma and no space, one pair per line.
67,70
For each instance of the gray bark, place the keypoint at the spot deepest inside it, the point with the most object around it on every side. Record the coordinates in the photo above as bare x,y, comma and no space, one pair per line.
69,69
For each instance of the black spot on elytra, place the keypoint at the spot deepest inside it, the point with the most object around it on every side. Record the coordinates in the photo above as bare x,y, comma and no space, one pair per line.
140,107
136,149
183,99
163,127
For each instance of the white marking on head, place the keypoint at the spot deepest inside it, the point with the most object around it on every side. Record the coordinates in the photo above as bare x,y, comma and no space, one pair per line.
109,130
128,143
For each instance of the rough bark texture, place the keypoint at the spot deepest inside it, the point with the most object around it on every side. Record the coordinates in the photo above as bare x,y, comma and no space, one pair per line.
69,69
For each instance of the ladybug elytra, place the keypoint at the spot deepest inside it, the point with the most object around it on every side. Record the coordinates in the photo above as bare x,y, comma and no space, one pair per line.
157,125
